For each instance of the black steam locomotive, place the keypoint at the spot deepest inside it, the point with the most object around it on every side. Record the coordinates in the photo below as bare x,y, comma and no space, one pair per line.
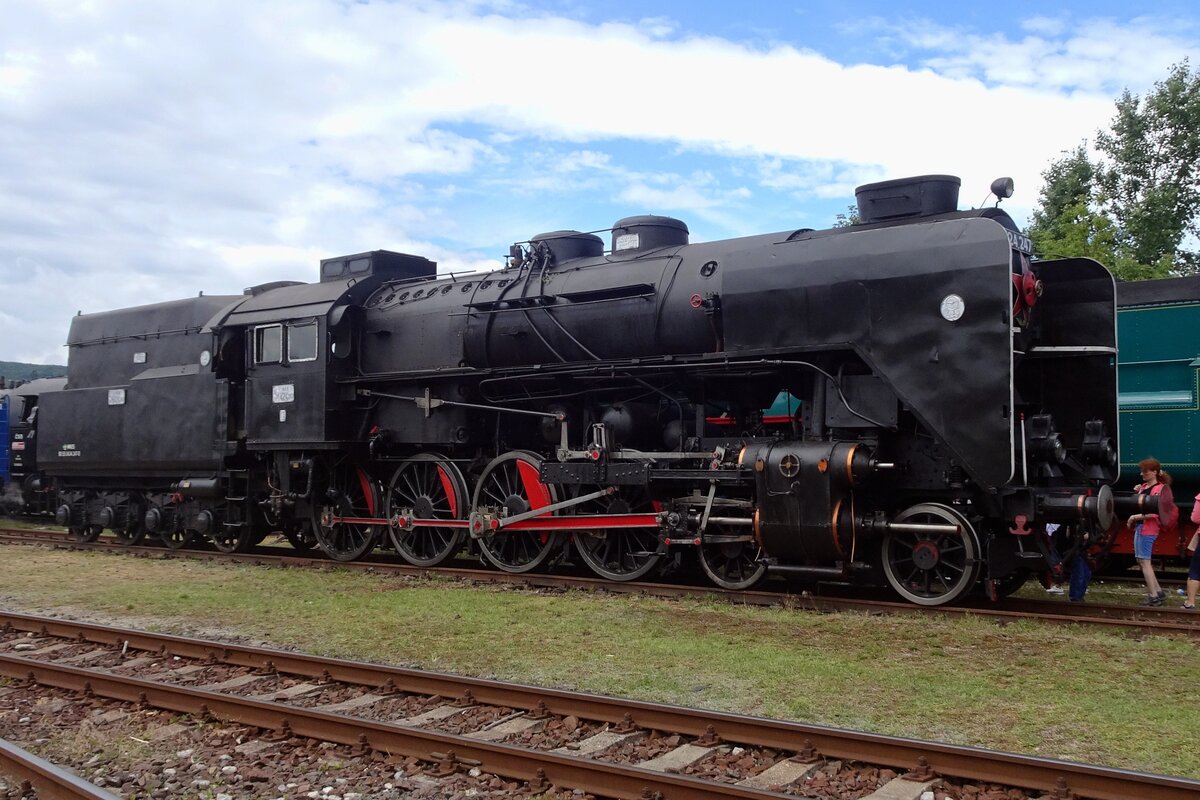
606,404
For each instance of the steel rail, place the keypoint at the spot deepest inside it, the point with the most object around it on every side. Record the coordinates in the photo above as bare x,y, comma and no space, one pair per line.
954,760
1151,620
51,782
589,775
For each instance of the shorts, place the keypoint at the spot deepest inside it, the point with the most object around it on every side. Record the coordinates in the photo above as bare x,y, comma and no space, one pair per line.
1143,546
1194,570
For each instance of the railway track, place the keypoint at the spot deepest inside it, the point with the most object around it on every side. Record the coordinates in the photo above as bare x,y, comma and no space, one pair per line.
37,777
542,737
1161,620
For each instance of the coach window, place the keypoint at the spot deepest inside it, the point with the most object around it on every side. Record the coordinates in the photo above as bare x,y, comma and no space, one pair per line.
268,344
302,341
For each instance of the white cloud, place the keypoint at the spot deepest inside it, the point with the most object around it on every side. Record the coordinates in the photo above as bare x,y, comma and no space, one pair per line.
149,151
1094,56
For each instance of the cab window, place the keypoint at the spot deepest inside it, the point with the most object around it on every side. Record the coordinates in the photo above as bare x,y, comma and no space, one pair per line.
302,341
268,344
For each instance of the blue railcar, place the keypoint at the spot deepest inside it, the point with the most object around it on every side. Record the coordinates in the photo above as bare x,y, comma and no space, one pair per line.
4,440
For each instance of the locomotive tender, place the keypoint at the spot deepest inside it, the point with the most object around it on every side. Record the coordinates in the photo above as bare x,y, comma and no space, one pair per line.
606,403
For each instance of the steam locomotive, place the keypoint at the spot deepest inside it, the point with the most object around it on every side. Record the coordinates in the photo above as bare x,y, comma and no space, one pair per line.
604,404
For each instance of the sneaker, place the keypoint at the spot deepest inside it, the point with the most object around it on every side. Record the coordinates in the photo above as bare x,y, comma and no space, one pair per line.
1181,592
1152,600
1162,594
1186,607
1054,590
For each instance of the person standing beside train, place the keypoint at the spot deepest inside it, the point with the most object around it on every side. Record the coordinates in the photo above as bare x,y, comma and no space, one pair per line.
1193,579
1156,482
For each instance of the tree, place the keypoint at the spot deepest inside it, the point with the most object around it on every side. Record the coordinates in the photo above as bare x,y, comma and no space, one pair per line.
1153,178
1132,208
1068,222
847,218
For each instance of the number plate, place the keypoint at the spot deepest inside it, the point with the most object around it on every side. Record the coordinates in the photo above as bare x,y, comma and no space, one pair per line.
1020,242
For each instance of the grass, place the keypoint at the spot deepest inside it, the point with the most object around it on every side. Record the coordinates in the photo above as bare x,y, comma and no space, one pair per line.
1052,691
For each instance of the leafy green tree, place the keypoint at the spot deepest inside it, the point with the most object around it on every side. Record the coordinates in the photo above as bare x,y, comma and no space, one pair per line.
1068,221
1132,209
1152,177
847,218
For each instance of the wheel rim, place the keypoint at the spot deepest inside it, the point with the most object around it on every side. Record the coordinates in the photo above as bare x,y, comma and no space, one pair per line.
932,569
85,533
620,554
131,535
135,524
511,482
350,492
431,487
230,540
177,539
732,565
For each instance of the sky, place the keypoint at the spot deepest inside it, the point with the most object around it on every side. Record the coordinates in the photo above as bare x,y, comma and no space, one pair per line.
153,150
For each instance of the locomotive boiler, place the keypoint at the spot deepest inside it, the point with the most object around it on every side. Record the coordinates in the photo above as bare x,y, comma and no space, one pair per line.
602,401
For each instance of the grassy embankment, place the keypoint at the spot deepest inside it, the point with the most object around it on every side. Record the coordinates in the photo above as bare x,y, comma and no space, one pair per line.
1047,690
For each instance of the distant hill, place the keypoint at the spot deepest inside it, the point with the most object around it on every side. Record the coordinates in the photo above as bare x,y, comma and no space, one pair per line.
17,371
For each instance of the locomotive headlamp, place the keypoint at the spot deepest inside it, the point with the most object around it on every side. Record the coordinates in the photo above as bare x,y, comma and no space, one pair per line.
1045,443
1099,451
1058,449
1049,448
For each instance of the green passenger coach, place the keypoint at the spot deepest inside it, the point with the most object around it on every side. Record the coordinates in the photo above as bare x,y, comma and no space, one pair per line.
1158,342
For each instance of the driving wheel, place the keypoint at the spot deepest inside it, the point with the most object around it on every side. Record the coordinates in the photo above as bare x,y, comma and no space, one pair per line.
621,554
344,490
428,486
510,485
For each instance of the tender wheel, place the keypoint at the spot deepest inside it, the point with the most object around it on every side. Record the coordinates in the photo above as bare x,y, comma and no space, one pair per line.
432,487
345,491
131,535
178,538
621,554
731,558
932,569
85,533
132,524
511,482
